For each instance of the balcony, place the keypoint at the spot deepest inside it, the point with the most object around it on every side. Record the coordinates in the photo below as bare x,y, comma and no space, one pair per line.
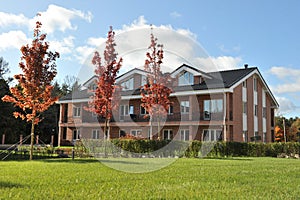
203,116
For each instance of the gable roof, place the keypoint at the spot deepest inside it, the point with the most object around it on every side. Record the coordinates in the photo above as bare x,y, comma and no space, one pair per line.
188,68
130,73
228,79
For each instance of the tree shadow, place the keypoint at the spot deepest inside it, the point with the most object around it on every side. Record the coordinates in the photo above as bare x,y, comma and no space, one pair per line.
10,185
70,160
229,158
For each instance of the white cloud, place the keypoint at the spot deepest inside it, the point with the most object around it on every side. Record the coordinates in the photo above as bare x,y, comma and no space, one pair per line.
289,79
175,14
209,64
286,106
95,41
12,39
180,46
56,17
84,54
65,46
7,19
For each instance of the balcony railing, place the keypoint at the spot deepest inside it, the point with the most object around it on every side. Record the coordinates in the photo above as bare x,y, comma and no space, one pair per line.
203,116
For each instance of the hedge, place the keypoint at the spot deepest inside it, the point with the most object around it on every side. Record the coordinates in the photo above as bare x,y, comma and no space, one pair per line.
167,148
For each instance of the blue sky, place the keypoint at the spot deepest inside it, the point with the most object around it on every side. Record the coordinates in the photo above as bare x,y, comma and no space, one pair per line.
265,34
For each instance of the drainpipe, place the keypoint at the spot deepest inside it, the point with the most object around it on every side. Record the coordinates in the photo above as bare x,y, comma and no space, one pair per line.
224,117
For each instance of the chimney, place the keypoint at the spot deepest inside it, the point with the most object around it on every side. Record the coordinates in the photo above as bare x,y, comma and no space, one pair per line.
246,66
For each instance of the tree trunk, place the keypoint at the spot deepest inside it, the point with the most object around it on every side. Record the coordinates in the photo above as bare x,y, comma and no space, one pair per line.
151,128
158,129
31,140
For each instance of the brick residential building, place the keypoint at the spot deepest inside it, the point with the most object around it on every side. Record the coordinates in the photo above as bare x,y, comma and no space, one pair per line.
232,105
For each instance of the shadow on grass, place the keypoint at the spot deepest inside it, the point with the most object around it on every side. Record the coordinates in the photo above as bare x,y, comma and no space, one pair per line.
10,185
229,158
70,160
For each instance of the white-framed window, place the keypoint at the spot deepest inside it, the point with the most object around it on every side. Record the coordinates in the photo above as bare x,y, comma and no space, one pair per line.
76,134
128,85
213,105
212,134
76,111
245,107
95,134
255,110
184,134
245,136
184,107
144,80
136,132
143,110
186,78
264,112
244,84
167,134
255,84
264,137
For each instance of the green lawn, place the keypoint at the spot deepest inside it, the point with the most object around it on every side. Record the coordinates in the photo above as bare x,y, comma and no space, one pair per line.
232,178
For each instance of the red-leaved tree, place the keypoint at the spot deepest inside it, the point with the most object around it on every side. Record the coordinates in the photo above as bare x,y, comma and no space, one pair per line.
156,93
33,93
107,94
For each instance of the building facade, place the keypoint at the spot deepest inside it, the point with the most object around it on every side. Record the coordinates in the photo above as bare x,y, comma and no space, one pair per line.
233,105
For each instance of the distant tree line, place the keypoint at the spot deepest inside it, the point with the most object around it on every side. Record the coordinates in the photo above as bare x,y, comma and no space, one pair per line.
287,128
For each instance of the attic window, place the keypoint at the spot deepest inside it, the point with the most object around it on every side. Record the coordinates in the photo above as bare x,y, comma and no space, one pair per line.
127,85
186,78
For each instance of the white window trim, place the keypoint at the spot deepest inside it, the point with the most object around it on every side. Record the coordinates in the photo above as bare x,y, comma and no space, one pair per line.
169,133
185,102
184,132
211,131
97,132
75,111
136,132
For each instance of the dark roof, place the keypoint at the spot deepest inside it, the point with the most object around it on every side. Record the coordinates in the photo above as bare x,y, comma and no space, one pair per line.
193,68
220,79
230,77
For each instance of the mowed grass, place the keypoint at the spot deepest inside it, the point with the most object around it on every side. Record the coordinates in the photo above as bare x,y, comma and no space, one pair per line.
231,178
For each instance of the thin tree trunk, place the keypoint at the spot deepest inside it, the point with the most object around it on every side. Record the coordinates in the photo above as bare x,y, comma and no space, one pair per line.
31,140
158,129
151,128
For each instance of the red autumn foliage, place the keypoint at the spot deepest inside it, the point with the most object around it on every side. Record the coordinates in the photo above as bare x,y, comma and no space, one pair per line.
33,94
155,94
107,94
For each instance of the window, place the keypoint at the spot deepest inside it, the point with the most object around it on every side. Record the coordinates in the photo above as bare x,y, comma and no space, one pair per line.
143,111
264,137
264,112
95,134
255,110
245,136
186,78
170,110
136,133
168,134
76,111
144,80
185,107
122,133
245,107
212,106
255,84
184,134
212,135
244,84
127,85
76,134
